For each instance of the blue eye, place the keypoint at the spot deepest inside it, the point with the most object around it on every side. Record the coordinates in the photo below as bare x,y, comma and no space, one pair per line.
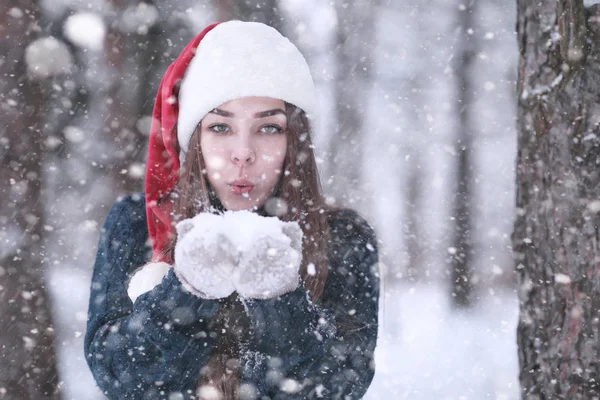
271,129
218,128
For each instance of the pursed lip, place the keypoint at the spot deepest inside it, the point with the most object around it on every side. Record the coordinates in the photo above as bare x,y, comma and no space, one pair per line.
242,183
241,187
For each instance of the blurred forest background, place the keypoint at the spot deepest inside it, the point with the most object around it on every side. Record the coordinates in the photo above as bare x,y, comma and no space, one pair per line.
418,133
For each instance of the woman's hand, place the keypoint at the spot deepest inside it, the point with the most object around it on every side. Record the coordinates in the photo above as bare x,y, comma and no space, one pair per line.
270,268
205,259
259,257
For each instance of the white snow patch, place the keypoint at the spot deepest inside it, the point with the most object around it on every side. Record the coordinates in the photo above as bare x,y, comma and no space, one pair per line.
543,89
15,12
10,238
242,227
29,343
290,386
139,19
73,134
589,136
46,57
594,206
489,86
426,350
209,393
86,30
562,278
143,125
88,226
248,391
136,170
52,142
497,270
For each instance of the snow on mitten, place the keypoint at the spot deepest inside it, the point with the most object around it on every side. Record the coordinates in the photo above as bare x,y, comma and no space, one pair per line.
271,266
204,257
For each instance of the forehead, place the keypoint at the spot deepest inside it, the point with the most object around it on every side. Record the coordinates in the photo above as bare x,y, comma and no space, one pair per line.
248,106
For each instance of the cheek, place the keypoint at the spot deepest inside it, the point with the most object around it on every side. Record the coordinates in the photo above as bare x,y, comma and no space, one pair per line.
214,177
214,162
280,156
273,154
214,156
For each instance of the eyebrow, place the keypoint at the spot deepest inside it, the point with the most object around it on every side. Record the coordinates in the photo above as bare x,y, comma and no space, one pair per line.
261,114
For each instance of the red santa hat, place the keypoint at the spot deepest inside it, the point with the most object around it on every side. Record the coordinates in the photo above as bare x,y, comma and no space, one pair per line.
224,62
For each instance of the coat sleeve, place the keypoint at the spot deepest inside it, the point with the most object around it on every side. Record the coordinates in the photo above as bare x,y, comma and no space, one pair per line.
303,350
155,347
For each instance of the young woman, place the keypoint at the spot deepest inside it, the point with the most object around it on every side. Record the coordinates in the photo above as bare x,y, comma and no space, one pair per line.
231,131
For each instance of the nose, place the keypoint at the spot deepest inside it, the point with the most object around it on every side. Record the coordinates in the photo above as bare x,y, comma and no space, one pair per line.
242,156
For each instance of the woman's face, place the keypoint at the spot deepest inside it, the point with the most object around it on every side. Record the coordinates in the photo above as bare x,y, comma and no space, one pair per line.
243,143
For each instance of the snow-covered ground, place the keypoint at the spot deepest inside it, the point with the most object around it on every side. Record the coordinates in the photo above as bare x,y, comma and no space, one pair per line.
425,350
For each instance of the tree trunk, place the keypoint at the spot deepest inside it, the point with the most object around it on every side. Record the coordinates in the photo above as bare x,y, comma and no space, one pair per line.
132,54
28,360
355,42
461,269
113,104
265,11
556,235
416,244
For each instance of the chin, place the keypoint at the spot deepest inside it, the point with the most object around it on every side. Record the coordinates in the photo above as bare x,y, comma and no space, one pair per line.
241,204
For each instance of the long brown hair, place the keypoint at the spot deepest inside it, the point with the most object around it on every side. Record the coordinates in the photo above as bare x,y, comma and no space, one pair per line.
299,189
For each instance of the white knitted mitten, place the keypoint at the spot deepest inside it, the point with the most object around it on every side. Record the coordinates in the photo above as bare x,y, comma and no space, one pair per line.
204,257
271,266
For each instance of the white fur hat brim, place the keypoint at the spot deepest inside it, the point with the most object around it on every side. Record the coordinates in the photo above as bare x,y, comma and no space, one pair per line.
146,278
240,59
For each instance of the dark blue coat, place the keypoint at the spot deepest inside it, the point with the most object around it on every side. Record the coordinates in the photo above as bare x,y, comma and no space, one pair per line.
155,348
